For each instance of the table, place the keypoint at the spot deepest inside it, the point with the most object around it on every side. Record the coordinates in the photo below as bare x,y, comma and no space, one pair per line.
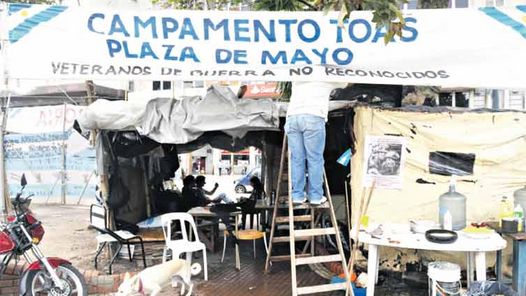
475,248
204,212
519,260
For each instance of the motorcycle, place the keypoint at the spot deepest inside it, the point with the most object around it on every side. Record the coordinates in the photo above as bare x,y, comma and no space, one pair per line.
20,236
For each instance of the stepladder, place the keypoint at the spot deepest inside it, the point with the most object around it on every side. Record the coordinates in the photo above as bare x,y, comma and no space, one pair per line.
304,230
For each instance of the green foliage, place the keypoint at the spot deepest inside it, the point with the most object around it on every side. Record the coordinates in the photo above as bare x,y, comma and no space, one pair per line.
49,2
429,4
278,5
386,13
285,90
196,4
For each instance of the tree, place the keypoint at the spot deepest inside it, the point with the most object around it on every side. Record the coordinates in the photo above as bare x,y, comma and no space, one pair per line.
197,4
49,2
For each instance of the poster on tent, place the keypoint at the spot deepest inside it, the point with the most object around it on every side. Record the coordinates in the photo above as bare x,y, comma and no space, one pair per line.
474,48
40,158
384,161
42,119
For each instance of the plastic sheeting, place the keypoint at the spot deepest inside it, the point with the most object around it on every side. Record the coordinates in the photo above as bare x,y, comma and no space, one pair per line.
112,115
182,121
489,289
496,166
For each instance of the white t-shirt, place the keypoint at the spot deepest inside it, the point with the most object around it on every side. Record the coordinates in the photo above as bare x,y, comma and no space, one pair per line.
311,97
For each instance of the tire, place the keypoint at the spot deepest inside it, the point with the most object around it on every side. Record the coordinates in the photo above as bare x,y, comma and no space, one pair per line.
240,189
66,272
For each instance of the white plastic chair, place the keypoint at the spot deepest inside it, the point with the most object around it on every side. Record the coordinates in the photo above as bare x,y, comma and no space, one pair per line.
183,245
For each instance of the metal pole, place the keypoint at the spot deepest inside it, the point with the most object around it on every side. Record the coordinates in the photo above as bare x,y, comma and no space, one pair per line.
85,187
231,164
63,175
6,205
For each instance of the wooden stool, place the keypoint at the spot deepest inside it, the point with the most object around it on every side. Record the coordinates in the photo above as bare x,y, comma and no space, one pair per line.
249,234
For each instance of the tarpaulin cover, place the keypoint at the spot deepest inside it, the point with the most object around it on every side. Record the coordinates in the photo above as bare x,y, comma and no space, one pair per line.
487,149
182,121
490,288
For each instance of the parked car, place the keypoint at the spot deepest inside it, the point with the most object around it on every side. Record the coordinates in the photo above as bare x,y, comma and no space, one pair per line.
242,185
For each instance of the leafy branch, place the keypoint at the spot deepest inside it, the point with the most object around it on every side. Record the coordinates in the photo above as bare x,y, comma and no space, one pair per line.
386,13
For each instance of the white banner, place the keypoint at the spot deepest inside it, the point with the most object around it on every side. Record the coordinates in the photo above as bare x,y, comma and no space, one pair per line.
445,47
45,119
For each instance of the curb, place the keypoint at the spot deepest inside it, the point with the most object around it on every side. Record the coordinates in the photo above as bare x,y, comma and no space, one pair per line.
98,282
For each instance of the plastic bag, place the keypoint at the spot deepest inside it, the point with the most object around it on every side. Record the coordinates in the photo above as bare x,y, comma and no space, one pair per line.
489,288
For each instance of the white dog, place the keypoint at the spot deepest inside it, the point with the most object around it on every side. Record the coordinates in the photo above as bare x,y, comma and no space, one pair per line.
153,279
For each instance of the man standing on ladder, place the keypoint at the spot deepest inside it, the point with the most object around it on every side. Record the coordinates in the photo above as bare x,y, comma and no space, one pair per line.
305,127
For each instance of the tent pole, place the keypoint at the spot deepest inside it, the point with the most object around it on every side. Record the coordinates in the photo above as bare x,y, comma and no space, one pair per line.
63,175
6,202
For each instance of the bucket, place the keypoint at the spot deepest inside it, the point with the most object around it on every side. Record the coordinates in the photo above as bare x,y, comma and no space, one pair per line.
444,279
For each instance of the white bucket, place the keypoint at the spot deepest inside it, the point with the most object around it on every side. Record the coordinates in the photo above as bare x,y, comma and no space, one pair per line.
444,279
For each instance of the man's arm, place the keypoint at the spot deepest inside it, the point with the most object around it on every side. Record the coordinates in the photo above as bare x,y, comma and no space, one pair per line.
212,191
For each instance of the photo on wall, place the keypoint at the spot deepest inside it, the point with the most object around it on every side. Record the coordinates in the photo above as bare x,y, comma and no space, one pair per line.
384,161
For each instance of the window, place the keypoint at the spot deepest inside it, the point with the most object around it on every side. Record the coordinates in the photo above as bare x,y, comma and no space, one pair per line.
161,85
194,84
446,99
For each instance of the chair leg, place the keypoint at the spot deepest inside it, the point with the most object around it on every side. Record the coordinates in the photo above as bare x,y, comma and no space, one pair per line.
114,257
224,248
265,242
205,263
254,247
99,250
165,253
143,254
129,253
243,221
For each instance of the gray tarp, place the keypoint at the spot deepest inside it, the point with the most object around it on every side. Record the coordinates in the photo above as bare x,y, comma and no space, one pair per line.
178,122
182,121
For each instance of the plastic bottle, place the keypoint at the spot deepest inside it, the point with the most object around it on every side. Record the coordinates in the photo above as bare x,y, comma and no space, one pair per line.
455,203
519,197
518,214
506,209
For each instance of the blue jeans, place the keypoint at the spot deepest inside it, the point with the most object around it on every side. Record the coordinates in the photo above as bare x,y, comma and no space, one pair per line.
306,137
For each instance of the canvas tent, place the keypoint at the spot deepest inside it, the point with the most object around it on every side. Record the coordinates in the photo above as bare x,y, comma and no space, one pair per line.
486,148
186,125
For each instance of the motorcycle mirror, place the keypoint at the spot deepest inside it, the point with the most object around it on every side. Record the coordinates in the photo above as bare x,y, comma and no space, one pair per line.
23,181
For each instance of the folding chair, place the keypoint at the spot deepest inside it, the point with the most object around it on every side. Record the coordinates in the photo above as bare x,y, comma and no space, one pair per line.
121,237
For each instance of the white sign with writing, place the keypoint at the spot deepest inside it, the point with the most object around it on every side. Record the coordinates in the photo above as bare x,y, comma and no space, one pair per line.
45,119
446,47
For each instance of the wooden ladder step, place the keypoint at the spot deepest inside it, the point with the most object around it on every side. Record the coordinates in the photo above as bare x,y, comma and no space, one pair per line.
286,239
321,288
287,257
314,232
302,218
318,259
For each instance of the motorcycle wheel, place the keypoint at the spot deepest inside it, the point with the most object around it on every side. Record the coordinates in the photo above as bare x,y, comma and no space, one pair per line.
39,282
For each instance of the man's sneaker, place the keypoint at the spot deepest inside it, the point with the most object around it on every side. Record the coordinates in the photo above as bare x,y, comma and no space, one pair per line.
299,201
318,203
